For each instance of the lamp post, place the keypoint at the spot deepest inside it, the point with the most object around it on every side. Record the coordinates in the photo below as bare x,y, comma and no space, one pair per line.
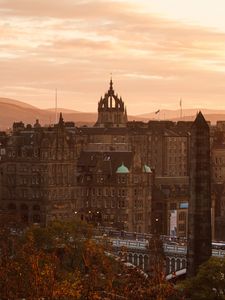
156,225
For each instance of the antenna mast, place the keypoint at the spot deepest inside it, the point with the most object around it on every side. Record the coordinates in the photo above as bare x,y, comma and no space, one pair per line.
181,112
56,106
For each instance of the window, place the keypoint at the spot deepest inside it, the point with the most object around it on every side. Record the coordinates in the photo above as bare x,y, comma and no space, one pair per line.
173,206
123,179
182,216
184,205
135,179
181,227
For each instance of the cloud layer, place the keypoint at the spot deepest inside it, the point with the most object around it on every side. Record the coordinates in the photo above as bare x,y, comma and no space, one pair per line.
75,45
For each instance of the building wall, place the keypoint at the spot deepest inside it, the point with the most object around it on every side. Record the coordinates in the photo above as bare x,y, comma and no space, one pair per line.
38,173
40,168
109,198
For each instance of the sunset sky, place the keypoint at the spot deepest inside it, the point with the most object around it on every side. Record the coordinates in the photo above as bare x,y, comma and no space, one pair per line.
157,51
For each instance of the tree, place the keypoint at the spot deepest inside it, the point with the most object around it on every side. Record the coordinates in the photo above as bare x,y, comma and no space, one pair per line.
209,283
160,288
33,270
64,261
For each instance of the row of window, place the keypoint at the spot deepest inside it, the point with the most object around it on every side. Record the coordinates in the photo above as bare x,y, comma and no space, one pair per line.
61,154
24,207
59,194
83,192
37,180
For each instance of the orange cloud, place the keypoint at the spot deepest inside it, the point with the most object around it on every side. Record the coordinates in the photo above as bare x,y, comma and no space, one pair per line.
75,45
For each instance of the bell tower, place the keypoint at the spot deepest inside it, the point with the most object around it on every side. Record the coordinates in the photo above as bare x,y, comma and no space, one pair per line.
111,110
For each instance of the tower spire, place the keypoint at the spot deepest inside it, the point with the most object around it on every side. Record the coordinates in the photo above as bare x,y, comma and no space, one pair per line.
125,114
56,105
111,110
111,83
61,121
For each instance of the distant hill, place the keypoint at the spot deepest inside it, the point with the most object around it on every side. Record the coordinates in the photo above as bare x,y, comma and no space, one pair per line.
213,118
63,110
187,114
10,113
16,102
14,111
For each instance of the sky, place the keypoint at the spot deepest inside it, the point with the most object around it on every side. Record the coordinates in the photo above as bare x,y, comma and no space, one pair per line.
158,51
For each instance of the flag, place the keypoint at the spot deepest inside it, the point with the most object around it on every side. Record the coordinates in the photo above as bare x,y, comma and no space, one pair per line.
156,112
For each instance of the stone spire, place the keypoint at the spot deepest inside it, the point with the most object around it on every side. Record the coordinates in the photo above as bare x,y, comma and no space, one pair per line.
111,85
61,121
200,122
199,211
126,114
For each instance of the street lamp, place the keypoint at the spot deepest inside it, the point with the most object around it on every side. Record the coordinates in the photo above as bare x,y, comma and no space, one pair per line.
156,225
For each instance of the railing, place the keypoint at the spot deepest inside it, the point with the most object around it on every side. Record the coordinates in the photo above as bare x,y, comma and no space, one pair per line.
142,245
175,249
129,244
218,252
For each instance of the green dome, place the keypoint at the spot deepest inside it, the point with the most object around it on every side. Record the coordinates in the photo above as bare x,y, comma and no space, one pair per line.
147,169
122,169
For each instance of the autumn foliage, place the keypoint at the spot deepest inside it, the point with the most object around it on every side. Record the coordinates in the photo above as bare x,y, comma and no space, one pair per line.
63,261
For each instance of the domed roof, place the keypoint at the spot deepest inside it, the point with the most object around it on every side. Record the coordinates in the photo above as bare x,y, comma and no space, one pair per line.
122,169
147,169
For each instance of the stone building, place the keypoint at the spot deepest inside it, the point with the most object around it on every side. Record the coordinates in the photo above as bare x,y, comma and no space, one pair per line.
218,180
38,168
170,205
53,172
114,183
113,191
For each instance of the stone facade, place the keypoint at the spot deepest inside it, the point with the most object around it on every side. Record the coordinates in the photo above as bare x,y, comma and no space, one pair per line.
113,191
38,170
46,174
218,180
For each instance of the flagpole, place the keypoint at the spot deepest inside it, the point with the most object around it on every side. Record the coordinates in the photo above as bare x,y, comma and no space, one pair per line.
181,112
56,106
158,113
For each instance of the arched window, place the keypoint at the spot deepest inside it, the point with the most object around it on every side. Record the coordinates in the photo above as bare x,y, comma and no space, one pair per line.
173,265
141,262
168,266
178,264
135,259
183,263
130,257
36,218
